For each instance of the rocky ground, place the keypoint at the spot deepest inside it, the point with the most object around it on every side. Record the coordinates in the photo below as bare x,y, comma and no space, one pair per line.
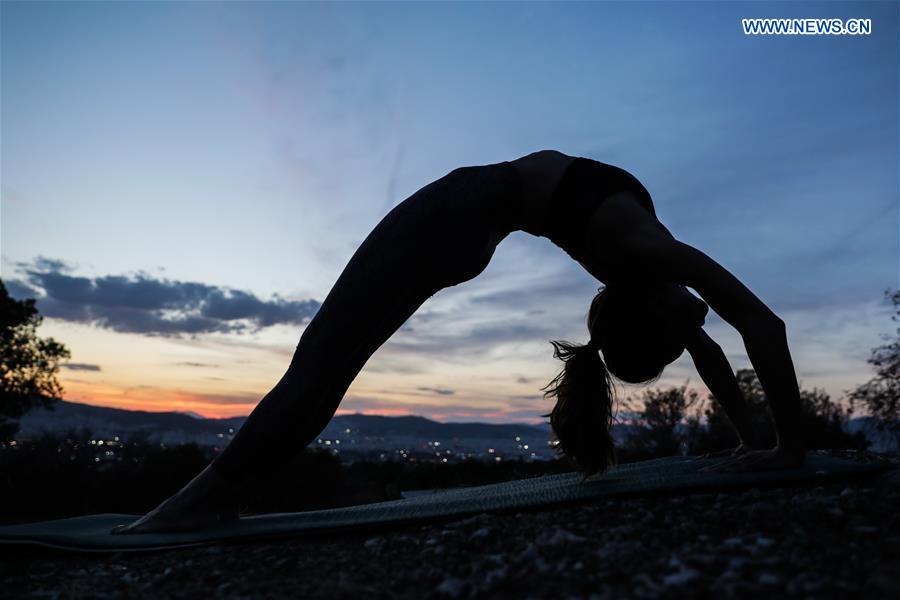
833,541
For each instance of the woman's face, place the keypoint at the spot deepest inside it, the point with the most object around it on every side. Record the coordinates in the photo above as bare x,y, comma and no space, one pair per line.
646,328
678,313
675,305
669,314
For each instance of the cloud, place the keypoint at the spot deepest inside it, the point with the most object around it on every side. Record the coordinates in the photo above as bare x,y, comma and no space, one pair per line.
436,390
469,346
147,305
197,365
439,410
19,290
80,367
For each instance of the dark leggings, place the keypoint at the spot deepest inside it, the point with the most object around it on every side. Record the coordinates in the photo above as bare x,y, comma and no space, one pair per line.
442,235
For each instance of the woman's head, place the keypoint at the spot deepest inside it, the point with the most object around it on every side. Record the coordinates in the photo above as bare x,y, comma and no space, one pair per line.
640,329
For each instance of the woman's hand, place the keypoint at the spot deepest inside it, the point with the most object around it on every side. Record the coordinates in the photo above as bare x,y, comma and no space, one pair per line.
759,460
742,449
643,248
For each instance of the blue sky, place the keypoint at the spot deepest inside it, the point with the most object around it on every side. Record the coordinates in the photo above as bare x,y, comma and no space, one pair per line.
226,159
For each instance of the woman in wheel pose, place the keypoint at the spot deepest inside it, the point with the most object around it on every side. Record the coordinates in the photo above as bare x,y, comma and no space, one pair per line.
642,319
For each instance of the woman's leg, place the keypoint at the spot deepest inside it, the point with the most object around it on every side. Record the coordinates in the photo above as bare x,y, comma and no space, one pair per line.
323,367
441,236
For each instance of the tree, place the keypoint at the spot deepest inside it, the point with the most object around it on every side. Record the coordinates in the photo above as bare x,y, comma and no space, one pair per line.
824,421
881,394
659,434
665,428
28,364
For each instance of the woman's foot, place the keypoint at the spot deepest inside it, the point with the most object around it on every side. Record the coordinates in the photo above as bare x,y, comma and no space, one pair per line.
204,502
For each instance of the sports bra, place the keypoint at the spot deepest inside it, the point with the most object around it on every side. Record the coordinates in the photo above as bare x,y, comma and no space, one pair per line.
583,186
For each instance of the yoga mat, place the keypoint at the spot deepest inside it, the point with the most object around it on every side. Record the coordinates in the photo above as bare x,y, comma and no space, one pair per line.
665,475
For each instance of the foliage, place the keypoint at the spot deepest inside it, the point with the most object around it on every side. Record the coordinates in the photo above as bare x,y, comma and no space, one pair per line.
55,477
68,475
881,395
28,363
825,422
667,428
719,433
659,433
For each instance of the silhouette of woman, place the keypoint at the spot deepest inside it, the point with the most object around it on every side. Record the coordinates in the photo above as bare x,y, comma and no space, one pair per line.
445,234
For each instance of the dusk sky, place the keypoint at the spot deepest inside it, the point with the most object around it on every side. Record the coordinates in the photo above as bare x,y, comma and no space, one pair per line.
182,183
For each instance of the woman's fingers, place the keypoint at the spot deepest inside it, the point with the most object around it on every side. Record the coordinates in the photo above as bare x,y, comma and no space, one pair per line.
719,453
759,460
737,463
129,528
118,529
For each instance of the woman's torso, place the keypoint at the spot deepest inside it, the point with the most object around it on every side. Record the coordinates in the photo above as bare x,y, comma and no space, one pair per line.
565,192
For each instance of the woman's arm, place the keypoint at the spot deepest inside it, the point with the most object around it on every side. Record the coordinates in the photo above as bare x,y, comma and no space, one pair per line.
645,249
713,367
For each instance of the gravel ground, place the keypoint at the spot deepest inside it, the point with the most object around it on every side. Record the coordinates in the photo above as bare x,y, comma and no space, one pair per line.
833,541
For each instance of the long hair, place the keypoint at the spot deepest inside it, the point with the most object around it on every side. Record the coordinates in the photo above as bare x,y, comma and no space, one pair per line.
583,416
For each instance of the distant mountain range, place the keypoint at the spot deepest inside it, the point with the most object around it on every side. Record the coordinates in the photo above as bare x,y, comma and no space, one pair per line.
73,415
109,422
359,432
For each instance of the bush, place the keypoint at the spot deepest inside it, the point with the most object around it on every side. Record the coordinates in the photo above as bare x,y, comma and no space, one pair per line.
880,396
56,477
660,430
667,428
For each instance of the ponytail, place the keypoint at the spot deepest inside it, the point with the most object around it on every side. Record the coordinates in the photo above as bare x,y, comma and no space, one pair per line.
582,417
